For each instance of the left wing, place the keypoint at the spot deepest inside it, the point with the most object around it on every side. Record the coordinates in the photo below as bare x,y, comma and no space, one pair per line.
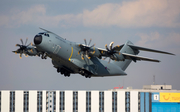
135,57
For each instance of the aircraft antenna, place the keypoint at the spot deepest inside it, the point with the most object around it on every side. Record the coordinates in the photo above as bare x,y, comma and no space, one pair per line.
153,79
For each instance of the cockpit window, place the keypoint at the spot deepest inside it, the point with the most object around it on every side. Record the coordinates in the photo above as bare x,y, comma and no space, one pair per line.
46,34
43,33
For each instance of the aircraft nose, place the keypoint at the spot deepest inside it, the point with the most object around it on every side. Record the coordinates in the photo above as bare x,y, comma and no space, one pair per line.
37,39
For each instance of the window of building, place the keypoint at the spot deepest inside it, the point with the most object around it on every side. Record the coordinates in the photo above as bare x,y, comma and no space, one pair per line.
51,101
12,101
127,101
54,101
61,101
139,101
114,101
88,101
39,101
101,101
75,101
26,101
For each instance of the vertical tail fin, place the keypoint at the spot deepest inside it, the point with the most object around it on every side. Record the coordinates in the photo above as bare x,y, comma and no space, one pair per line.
125,49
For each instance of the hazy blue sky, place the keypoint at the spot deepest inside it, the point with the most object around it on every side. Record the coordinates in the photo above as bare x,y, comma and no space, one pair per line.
148,23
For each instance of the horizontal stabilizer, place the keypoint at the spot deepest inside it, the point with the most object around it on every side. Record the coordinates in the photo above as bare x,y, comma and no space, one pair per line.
135,57
147,49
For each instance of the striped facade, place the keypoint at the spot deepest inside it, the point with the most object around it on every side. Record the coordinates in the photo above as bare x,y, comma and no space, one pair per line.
77,101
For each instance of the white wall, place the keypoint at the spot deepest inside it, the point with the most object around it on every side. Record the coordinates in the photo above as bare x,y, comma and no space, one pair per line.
19,101
32,101
134,101
68,101
81,101
120,101
94,101
43,101
57,101
107,101
5,101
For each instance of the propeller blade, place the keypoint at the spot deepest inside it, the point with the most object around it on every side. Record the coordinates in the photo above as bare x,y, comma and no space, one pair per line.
109,61
107,47
85,41
110,45
20,55
104,58
18,45
21,41
89,42
82,56
14,52
79,51
86,52
25,55
26,41
29,44
31,50
93,45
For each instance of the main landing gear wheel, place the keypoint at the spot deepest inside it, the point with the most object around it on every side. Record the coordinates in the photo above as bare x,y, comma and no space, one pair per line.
87,75
63,71
84,73
58,70
66,74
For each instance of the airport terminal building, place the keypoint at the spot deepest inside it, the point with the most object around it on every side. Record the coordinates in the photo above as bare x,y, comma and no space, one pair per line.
152,98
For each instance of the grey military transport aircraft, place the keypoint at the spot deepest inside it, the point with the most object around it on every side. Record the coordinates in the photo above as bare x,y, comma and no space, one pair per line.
71,57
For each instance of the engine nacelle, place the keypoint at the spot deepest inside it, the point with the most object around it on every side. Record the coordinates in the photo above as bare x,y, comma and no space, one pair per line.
32,51
117,57
94,52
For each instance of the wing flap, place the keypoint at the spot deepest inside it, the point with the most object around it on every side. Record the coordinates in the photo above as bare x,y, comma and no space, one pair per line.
150,50
135,57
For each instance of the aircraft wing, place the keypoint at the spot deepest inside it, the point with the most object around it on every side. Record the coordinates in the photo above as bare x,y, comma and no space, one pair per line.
135,57
150,50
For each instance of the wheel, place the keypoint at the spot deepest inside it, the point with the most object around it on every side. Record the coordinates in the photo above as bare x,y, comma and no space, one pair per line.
58,70
87,75
66,74
62,71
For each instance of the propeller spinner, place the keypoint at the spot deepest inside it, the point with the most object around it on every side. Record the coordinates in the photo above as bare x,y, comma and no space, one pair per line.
23,48
111,51
86,49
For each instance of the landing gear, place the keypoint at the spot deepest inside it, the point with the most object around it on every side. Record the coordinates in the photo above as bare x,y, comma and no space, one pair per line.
66,74
44,56
87,75
63,71
58,70
84,73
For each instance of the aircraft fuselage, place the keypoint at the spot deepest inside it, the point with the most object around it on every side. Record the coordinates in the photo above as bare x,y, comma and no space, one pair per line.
64,55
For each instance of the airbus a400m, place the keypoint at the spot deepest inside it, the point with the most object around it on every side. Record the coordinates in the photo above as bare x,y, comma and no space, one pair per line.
72,58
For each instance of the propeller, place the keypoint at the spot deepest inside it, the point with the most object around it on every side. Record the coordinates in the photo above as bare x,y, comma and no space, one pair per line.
110,52
86,49
23,48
